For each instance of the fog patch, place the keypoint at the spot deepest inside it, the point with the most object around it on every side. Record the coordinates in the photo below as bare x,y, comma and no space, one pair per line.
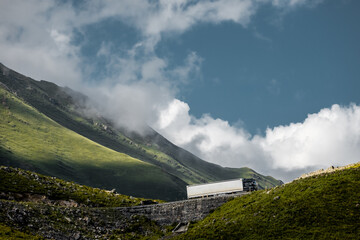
329,137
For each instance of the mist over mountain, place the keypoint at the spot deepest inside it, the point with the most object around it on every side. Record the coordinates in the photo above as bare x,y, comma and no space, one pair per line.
55,130
107,106
230,81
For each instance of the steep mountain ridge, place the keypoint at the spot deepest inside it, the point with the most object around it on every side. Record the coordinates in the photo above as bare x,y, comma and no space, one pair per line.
71,110
30,140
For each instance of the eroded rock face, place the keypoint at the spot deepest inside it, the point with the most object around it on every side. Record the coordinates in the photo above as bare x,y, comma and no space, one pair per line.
67,220
61,222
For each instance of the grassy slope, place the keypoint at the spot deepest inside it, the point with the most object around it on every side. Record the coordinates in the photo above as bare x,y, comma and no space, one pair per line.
47,191
65,107
210,171
18,181
31,140
8,233
326,206
263,181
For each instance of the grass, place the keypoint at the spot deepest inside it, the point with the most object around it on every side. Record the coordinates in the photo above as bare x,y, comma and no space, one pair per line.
29,138
46,128
8,233
94,209
69,109
325,206
14,180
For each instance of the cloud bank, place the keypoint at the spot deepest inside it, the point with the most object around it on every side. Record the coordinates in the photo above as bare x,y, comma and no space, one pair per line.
329,137
38,38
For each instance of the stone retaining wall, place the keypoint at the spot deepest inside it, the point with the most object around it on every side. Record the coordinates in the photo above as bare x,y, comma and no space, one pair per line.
60,222
180,211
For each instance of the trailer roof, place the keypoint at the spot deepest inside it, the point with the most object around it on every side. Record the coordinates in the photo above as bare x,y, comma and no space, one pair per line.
230,180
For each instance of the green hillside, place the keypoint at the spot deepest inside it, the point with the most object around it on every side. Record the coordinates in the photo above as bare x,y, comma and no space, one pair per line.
70,110
325,206
31,140
8,233
263,181
35,206
17,184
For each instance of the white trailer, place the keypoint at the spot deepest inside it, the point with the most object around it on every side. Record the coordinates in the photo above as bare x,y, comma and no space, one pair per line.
215,188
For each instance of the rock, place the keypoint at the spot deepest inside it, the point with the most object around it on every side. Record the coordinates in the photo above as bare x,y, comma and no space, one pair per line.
86,219
70,203
3,195
77,236
147,202
18,196
89,223
257,213
36,198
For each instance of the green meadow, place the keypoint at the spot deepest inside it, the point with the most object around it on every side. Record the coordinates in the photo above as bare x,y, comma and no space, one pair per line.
30,139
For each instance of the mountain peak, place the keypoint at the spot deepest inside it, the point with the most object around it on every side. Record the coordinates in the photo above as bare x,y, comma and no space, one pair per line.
35,102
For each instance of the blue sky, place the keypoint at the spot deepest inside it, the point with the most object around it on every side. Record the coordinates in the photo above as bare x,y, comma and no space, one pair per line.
274,73
268,84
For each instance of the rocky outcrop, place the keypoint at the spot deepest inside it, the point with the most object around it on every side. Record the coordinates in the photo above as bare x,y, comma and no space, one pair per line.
71,222
54,222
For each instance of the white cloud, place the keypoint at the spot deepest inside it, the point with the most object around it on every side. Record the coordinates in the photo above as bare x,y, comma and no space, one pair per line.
36,38
136,88
330,137
191,69
33,43
130,105
36,35
180,15
295,3
62,41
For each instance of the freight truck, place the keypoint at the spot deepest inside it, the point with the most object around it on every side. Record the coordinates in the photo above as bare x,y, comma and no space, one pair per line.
221,188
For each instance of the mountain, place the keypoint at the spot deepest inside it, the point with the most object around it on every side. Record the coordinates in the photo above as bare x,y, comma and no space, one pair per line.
56,131
323,205
33,141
